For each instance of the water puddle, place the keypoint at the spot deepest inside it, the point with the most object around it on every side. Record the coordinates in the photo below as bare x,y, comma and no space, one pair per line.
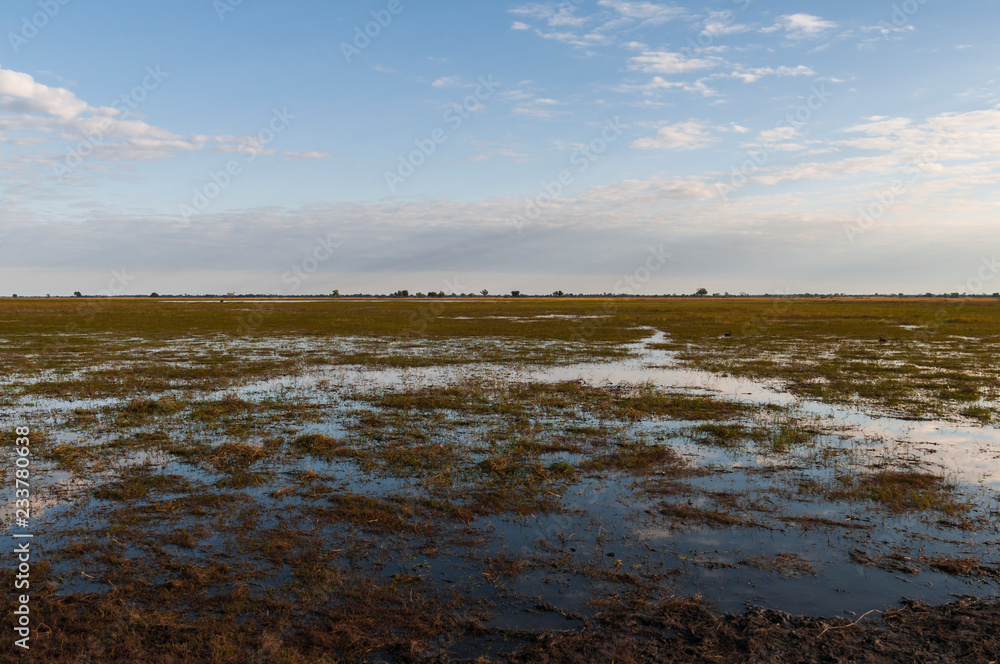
788,550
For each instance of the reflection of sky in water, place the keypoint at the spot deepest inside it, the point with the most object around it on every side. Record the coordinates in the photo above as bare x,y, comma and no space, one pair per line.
969,454
618,526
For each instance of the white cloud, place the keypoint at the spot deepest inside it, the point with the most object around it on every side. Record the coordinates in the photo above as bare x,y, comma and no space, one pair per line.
561,21
541,108
512,154
740,244
588,40
555,15
39,114
948,136
687,135
649,13
930,148
665,62
48,130
658,84
447,82
720,24
802,26
756,73
885,30
779,139
302,156
516,95
20,93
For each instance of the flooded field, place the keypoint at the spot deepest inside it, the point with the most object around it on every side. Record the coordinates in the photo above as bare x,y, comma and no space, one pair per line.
533,480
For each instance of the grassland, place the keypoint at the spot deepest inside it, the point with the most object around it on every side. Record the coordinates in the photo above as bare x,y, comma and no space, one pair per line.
917,357
395,480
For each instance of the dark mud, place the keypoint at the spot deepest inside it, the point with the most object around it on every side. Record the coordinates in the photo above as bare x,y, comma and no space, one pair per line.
686,631
393,625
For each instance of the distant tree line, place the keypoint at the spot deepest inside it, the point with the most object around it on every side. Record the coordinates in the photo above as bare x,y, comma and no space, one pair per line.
701,292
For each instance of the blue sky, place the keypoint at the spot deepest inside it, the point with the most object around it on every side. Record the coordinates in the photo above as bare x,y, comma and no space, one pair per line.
257,146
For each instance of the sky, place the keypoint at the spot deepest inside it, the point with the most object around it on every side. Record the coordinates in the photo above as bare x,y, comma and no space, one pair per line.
630,147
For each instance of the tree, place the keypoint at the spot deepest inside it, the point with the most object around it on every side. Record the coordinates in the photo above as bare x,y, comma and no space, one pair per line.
701,292
484,292
336,293
77,294
154,294
515,293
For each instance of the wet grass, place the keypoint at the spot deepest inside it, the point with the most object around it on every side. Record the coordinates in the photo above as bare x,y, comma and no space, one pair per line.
901,491
767,438
138,411
372,514
728,436
785,564
227,407
321,446
980,414
963,566
688,515
339,524
69,457
918,357
638,457
140,483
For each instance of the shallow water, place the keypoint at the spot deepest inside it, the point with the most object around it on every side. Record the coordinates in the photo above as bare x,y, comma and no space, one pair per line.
610,523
